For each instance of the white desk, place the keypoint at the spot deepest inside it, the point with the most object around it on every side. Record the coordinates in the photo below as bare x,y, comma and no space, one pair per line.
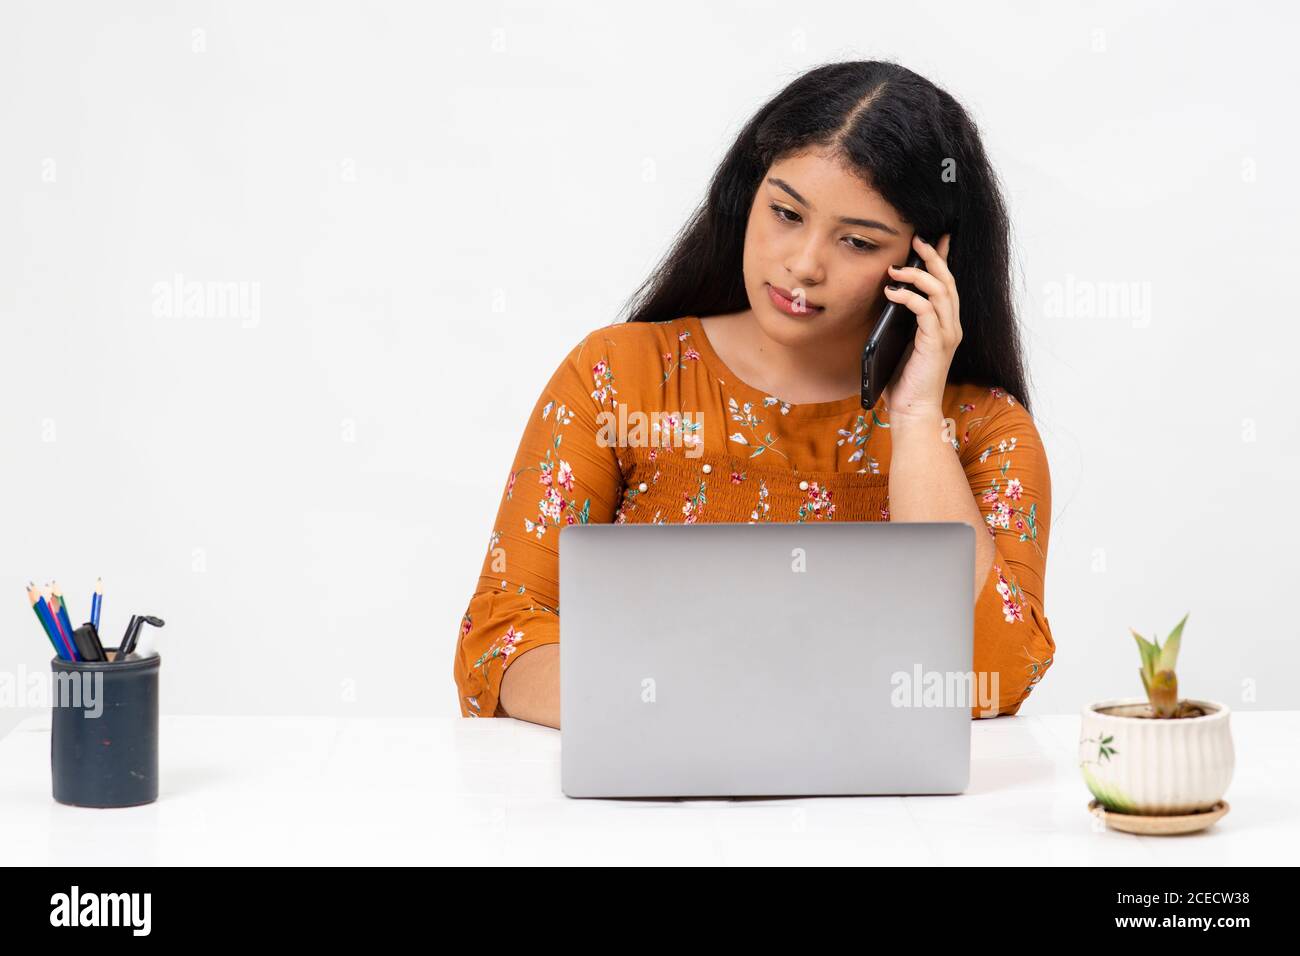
318,790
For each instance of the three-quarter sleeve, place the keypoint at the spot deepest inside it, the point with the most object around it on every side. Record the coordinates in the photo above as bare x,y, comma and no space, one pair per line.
1006,465
561,475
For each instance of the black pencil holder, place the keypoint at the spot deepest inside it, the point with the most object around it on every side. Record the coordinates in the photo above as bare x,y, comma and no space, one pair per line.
104,731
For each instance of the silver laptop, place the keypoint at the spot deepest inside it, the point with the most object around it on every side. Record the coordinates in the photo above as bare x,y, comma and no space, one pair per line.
766,659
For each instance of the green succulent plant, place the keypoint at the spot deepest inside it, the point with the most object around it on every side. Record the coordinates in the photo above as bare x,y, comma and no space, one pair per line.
1157,670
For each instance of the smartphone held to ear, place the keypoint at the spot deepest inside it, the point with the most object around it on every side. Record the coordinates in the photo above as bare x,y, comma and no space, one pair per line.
893,333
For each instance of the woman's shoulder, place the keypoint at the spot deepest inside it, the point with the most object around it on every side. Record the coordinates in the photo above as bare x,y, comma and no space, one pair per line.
633,336
986,417
632,351
971,399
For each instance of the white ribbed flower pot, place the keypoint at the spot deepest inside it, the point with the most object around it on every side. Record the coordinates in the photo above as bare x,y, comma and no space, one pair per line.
1155,767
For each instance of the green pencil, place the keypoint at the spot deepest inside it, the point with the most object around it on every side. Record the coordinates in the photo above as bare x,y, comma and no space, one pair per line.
34,595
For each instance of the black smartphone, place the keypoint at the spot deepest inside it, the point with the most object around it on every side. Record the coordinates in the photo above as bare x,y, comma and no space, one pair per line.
893,333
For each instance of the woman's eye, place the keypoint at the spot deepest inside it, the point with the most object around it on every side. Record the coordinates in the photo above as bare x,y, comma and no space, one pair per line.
781,210
782,214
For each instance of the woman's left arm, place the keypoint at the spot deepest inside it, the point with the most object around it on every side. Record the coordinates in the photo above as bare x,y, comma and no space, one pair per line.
934,476
999,484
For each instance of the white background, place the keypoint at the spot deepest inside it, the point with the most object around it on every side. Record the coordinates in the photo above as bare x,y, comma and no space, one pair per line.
435,202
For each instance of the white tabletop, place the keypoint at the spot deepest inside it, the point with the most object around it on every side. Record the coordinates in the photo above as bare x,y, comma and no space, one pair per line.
320,790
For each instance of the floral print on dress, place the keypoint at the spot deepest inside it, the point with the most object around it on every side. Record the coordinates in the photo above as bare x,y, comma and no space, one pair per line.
1036,669
771,400
672,428
627,507
746,416
1013,604
1006,496
857,440
763,507
604,378
967,407
817,505
631,492
761,510
555,477
501,648
673,362
694,504
1004,493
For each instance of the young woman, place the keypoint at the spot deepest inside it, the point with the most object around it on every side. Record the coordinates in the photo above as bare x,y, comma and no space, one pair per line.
733,391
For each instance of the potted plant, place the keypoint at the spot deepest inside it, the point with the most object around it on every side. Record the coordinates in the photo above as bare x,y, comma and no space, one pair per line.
1159,756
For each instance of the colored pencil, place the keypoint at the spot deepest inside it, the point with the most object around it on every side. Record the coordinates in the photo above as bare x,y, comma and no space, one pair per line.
97,603
52,608
34,596
69,653
52,620
64,618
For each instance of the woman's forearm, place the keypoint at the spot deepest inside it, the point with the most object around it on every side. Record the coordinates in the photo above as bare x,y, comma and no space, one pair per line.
530,688
927,483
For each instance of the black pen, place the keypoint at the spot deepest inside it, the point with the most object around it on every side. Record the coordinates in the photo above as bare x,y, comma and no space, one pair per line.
139,623
122,649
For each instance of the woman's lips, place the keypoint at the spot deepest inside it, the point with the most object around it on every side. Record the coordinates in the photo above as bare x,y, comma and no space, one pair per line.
788,305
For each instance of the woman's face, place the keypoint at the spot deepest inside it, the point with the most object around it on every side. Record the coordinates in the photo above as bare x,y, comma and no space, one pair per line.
822,234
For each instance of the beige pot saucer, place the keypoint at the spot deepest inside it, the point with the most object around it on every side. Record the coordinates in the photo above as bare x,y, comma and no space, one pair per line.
1153,825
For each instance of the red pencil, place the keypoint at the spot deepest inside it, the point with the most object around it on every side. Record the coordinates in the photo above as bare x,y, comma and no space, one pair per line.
47,599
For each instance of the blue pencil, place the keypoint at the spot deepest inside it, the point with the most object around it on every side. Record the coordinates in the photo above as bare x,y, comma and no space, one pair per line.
62,608
97,603
49,620
34,596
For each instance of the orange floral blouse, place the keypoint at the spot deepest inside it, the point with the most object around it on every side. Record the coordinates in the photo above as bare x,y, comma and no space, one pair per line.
713,449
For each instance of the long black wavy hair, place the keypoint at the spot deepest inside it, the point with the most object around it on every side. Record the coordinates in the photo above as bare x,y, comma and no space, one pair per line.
912,143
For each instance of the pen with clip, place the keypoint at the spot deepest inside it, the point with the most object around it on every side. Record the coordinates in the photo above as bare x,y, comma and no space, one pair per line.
133,632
